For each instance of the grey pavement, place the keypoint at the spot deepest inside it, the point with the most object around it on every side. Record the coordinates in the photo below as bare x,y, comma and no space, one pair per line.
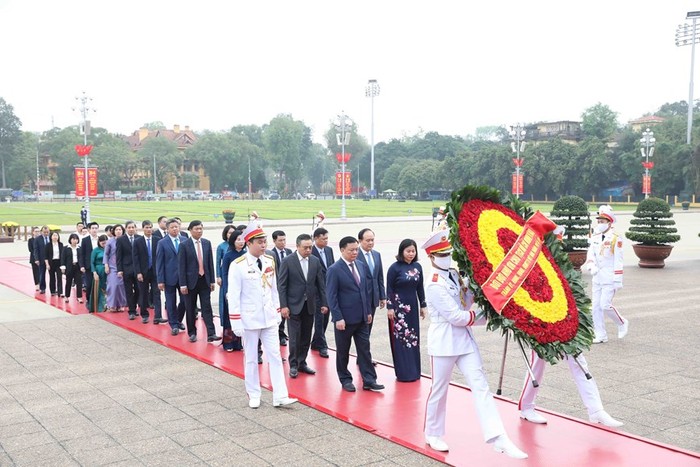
76,390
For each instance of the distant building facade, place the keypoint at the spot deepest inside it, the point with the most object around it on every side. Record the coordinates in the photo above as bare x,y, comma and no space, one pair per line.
566,130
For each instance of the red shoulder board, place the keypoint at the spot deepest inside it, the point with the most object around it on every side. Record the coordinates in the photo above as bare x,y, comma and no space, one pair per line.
435,277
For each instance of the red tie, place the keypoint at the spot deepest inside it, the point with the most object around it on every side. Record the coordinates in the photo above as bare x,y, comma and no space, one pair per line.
354,273
199,258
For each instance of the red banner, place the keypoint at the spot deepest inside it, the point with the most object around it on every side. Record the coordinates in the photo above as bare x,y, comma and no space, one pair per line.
339,157
339,183
508,276
646,184
517,184
81,183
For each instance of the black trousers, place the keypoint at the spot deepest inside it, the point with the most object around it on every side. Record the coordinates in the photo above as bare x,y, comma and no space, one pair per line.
300,328
73,274
203,291
55,276
35,273
149,294
318,342
359,332
132,294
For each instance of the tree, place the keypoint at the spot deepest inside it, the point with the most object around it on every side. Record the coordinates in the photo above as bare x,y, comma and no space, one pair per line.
420,175
10,136
286,143
168,159
599,121
21,170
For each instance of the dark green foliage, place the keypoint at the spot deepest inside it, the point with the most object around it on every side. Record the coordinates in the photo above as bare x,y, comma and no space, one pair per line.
653,223
572,213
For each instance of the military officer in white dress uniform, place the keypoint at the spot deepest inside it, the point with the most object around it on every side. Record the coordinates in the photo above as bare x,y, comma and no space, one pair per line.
450,343
254,310
604,261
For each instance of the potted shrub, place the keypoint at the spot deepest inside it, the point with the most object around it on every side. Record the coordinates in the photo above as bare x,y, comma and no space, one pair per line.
228,214
572,213
653,230
9,230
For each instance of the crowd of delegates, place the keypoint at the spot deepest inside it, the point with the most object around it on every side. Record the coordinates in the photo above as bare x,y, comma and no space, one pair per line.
261,289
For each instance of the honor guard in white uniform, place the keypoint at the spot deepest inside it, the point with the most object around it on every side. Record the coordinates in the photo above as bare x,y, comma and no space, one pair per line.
450,343
254,310
604,261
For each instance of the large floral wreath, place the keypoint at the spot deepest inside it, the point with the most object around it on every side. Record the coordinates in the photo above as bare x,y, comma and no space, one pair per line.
550,312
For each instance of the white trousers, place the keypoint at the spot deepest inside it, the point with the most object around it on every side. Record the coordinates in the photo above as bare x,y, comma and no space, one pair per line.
602,306
587,388
471,367
271,348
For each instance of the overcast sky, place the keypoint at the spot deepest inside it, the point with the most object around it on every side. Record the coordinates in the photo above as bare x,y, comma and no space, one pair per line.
445,66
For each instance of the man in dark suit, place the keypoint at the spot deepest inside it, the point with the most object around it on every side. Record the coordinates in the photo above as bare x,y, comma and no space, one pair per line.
145,251
88,244
279,252
349,305
324,253
40,243
126,269
168,276
374,270
196,265
161,230
301,284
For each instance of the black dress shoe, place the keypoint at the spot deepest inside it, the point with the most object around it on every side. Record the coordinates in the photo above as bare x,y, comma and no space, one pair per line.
132,316
349,387
308,370
213,338
373,387
283,341
323,353
174,331
144,320
42,291
293,373
193,338
160,321
181,326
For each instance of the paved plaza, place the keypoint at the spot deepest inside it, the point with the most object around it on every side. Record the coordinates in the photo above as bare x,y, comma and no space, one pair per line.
76,390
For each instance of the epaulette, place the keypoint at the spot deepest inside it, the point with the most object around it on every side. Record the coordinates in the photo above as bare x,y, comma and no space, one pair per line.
239,259
269,256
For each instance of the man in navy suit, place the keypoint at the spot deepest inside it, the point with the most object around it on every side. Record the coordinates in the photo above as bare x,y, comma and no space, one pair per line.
168,276
279,252
88,244
40,243
323,252
145,251
375,271
126,269
346,290
301,284
196,265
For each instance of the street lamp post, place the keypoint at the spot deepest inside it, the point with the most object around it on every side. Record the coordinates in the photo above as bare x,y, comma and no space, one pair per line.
517,133
343,139
155,180
648,142
688,35
38,146
85,130
250,184
372,91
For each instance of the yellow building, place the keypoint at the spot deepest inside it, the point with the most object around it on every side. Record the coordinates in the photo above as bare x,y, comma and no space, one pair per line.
643,123
191,174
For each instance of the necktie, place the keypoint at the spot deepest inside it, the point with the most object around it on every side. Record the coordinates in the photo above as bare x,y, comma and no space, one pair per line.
355,275
199,258
281,254
322,254
370,262
259,264
131,239
177,244
148,245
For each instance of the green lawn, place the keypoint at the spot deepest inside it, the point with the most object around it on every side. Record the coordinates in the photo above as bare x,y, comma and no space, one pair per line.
104,212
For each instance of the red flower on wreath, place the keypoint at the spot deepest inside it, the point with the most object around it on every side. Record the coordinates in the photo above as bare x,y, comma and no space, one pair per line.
543,307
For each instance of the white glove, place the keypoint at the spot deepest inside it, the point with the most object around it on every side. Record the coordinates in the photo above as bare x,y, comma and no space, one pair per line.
593,269
237,327
617,285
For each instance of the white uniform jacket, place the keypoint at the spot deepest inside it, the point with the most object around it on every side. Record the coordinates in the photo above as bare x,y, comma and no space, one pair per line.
449,306
605,256
252,294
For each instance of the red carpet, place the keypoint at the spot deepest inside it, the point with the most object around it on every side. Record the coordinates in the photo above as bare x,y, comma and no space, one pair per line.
397,412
